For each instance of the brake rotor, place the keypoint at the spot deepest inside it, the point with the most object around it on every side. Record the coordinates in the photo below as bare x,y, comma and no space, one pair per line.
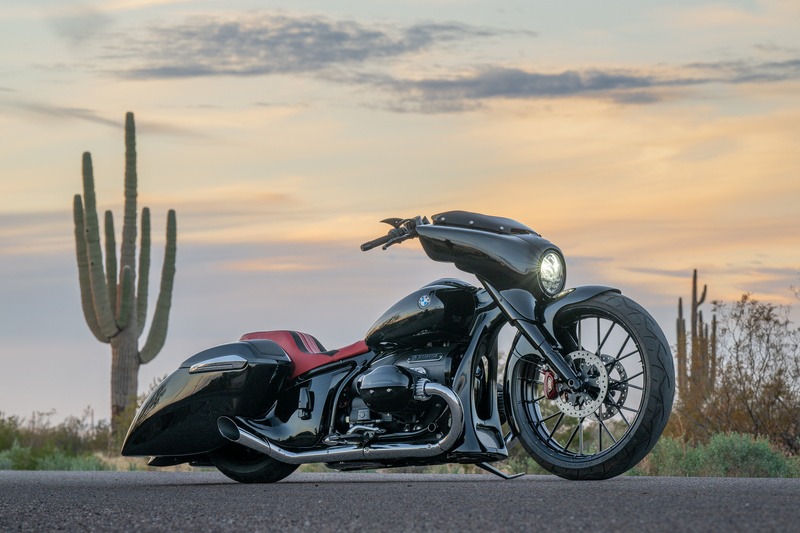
618,387
592,371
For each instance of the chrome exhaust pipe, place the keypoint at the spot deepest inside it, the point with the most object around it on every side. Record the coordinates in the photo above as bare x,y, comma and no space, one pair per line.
229,429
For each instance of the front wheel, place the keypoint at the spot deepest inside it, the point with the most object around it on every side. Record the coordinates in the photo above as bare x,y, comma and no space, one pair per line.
249,466
609,426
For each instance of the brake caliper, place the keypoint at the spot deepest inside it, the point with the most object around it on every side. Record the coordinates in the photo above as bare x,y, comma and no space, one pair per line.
549,381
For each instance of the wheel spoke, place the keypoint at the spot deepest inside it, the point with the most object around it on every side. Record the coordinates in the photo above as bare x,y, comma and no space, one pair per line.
631,377
558,423
628,355
599,435
603,425
574,432
542,397
624,344
543,420
598,334
623,418
608,333
611,364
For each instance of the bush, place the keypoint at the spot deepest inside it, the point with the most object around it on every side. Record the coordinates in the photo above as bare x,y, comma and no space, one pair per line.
17,458
737,455
726,455
61,461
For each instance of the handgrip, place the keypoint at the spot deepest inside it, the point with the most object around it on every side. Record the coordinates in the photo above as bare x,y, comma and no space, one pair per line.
377,242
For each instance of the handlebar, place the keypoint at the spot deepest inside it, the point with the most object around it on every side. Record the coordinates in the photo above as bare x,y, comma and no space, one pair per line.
403,229
376,242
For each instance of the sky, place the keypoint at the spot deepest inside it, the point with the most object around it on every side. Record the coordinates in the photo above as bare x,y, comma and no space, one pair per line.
646,139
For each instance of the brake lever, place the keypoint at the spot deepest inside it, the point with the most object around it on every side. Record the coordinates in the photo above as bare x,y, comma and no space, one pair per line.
394,222
405,228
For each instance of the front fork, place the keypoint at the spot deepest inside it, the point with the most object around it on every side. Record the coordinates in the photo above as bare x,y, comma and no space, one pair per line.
532,320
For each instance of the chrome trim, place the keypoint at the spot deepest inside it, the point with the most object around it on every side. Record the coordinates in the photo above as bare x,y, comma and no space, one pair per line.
219,364
229,429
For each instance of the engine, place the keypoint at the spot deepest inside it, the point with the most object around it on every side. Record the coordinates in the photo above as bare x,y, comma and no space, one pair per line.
383,402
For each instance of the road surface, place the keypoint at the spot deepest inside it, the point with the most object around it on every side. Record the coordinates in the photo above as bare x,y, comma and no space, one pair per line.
365,502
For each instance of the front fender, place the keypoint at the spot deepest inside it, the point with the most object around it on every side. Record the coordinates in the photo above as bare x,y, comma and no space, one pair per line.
547,311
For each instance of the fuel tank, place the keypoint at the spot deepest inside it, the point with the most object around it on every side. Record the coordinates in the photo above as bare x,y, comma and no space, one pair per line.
442,310
180,415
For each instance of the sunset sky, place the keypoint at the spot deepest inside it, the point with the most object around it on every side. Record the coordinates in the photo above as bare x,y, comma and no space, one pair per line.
644,138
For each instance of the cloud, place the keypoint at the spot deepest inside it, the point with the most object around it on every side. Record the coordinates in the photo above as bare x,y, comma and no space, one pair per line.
627,86
279,44
456,94
78,24
49,111
373,56
748,71
63,112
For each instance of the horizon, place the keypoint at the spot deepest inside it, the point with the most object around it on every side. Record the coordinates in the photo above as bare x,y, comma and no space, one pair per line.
645,140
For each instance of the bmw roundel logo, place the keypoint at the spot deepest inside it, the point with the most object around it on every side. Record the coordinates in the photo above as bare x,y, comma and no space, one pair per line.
424,301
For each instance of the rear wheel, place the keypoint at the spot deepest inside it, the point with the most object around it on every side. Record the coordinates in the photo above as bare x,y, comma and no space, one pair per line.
249,466
609,426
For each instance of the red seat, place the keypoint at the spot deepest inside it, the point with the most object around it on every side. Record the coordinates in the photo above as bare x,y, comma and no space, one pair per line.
305,351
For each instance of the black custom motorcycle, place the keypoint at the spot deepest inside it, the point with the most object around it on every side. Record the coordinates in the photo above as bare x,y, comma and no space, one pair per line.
587,387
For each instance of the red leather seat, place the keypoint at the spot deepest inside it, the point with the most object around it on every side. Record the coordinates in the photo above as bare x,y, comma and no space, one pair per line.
305,351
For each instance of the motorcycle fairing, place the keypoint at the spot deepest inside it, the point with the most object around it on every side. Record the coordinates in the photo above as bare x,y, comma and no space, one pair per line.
507,261
467,219
483,437
305,351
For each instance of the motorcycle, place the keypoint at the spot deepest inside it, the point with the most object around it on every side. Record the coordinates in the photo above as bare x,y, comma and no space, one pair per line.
587,386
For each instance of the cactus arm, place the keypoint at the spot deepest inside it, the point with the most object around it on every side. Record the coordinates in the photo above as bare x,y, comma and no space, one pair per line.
702,296
111,261
125,298
128,248
83,271
99,291
144,272
158,329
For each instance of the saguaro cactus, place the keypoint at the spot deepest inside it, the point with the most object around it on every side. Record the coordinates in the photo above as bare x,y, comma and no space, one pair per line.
696,370
114,303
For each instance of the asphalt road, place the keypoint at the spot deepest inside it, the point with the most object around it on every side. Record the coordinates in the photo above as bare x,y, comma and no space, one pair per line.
204,501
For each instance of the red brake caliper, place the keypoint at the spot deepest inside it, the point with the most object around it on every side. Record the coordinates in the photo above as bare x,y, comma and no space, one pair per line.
549,382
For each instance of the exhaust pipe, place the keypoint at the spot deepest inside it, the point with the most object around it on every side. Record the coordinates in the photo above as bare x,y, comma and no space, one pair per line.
229,429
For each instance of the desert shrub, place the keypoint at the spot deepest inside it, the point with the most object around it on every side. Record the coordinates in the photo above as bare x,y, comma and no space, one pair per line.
17,457
737,455
61,461
9,431
725,455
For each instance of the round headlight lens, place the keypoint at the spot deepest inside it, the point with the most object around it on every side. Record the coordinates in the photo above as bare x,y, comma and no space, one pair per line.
552,273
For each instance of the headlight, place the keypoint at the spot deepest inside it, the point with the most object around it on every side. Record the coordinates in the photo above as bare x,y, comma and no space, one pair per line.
552,274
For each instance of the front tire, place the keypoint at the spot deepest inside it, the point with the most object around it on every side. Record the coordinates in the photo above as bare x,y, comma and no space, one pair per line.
249,466
607,429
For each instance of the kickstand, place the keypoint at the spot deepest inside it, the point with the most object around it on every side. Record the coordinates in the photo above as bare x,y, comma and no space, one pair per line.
496,472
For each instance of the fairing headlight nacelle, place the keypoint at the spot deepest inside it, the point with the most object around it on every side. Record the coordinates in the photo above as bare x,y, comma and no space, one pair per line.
552,273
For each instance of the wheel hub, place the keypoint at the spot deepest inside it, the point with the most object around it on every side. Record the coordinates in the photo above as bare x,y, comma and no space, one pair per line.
594,375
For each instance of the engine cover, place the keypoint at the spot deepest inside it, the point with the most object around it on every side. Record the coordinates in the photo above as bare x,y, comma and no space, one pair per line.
387,389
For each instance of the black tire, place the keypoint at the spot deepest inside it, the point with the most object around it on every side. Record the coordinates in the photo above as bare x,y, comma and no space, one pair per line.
249,466
629,405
